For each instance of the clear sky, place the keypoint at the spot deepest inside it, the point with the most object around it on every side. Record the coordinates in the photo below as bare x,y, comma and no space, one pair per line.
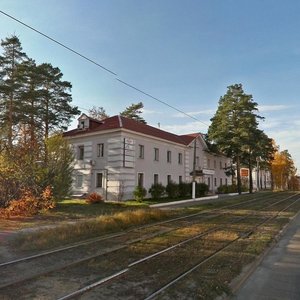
185,53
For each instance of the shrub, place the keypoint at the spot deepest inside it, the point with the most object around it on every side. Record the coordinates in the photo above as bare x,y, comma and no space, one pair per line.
223,189
139,193
172,190
28,204
201,189
157,191
227,189
94,198
184,189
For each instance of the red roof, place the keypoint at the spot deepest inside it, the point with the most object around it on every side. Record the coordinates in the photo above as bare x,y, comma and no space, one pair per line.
118,122
188,138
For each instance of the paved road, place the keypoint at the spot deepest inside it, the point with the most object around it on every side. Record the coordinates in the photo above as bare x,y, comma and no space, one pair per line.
278,276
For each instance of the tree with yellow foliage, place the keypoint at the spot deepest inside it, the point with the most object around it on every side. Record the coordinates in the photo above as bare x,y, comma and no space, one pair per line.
283,171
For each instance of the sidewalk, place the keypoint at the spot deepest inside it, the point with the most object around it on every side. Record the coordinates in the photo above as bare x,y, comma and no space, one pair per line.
278,275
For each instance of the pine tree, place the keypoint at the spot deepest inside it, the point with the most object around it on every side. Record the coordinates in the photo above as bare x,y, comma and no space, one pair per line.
233,123
134,111
10,85
55,110
30,131
35,102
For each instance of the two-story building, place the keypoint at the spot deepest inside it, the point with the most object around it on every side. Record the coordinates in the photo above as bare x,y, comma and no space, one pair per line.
115,155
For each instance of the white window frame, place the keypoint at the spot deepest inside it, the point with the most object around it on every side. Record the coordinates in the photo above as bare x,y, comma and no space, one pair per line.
156,154
197,161
100,150
169,156
180,156
97,181
141,184
81,152
79,181
154,180
141,151
208,163
169,178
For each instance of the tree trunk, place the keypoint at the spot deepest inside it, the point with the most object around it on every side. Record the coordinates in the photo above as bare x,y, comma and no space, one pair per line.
250,177
239,183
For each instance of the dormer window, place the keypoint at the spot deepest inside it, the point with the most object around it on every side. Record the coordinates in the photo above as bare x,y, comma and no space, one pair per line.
81,125
83,122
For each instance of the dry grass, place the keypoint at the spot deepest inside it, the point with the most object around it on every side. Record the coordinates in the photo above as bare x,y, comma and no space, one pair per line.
58,235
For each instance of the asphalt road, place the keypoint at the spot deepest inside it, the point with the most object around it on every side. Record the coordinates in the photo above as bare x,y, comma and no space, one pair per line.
278,275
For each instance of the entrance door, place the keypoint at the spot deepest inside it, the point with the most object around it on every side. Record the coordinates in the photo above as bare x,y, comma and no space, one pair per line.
100,182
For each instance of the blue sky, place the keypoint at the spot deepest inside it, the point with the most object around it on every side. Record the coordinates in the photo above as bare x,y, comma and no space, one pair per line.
185,53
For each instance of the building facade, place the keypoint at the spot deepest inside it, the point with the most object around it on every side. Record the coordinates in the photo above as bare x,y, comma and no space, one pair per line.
115,155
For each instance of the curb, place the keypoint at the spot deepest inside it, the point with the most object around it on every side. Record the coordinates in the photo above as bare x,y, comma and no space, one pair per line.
183,201
193,200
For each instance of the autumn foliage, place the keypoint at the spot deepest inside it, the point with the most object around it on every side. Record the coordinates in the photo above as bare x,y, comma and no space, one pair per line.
283,171
94,198
29,204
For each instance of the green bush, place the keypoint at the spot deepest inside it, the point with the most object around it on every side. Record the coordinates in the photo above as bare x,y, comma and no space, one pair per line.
172,190
223,189
227,189
139,193
184,189
201,189
157,191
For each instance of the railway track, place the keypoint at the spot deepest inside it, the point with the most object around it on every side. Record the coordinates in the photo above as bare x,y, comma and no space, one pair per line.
103,263
124,233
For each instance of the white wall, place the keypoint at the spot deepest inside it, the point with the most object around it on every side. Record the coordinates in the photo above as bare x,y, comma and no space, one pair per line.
120,179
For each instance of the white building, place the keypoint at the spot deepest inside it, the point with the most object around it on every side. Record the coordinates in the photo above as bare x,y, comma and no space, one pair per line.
115,155
261,178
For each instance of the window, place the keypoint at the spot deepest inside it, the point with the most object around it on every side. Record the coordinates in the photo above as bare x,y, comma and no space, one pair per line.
81,152
156,154
169,153
197,161
180,179
208,163
141,179
180,158
225,165
99,180
79,180
141,151
221,181
226,181
100,150
215,164
215,181
208,182
155,179
221,165
169,179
